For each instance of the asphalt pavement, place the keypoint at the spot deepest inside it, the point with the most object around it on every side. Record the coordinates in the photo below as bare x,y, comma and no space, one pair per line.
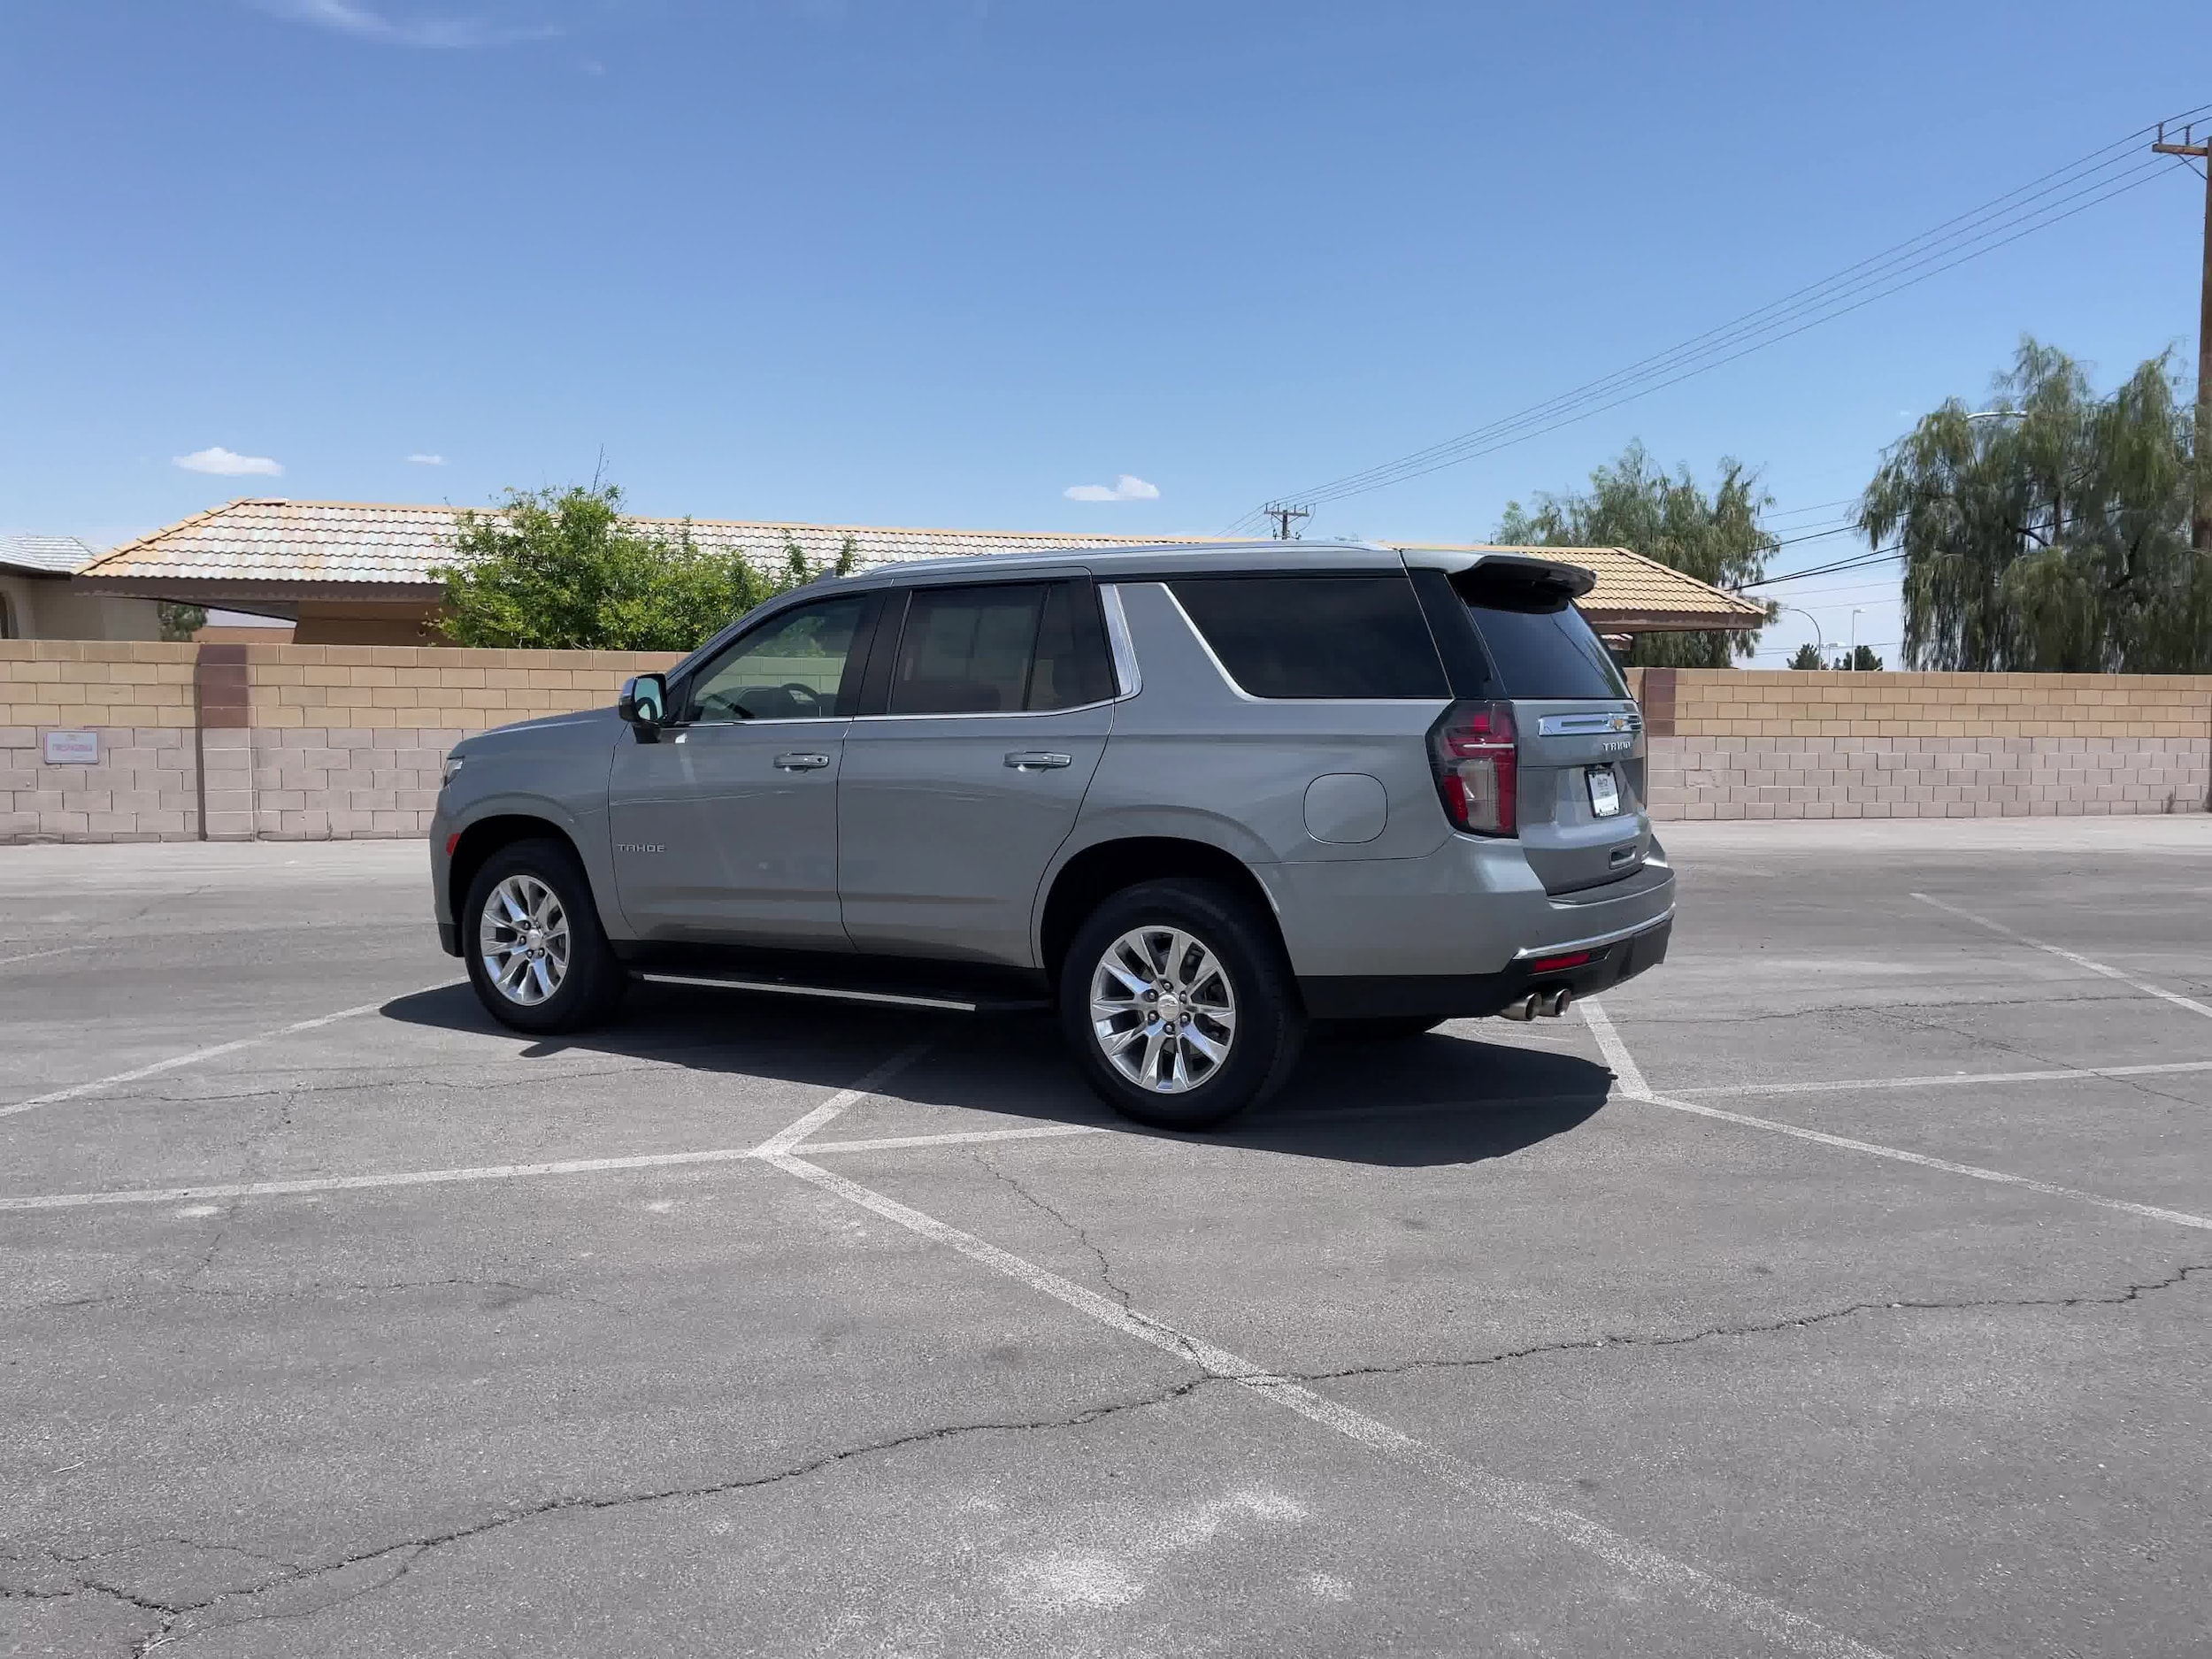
1839,1288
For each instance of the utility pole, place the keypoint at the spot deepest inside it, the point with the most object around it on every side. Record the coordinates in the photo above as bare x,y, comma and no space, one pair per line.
2200,513
1285,515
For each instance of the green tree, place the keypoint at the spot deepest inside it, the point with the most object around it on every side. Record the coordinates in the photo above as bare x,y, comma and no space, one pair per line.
2052,535
179,622
1808,657
1633,503
1860,658
565,570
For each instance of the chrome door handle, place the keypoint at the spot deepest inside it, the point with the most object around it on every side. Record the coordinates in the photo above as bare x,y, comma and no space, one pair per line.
1037,760
802,763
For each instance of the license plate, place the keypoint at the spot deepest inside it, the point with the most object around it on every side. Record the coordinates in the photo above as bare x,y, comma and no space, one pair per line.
1605,792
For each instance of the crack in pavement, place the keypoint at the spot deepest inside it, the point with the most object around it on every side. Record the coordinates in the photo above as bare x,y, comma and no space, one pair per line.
403,1554
380,1081
2021,1051
1799,1322
983,1157
299,1292
1824,1010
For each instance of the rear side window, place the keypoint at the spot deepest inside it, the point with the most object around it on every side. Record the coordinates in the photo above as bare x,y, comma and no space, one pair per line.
1073,665
1316,636
1001,648
1538,643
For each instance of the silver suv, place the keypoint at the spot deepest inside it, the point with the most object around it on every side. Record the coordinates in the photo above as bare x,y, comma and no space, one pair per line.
1195,798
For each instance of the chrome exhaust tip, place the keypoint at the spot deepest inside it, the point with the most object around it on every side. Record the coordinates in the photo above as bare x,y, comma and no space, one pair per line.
1557,1003
1524,1010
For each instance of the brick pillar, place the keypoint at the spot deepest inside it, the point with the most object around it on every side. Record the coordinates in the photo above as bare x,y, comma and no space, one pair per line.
223,743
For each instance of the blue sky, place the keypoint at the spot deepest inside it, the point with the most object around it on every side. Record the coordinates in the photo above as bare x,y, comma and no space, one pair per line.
941,261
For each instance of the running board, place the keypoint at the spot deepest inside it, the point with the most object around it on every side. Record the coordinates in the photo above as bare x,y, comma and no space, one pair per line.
846,993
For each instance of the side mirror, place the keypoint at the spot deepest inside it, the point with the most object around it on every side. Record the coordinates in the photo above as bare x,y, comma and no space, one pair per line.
644,704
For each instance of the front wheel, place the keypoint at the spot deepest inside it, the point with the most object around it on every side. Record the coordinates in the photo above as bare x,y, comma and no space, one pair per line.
1179,1005
530,934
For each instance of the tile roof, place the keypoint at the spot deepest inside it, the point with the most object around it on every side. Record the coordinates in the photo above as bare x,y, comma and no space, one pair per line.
1631,585
45,555
263,542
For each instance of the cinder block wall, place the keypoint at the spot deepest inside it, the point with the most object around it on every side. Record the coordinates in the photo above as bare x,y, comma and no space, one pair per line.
313,742
1731,743
292,741
348,741
138,697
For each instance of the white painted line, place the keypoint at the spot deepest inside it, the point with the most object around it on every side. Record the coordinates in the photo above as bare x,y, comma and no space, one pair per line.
78,1090
821,1114
1350,1116
2064,955
2065,1074
1523,1501
1615,1051
784,1140
967,1137
361,1183
1635,1087
58,950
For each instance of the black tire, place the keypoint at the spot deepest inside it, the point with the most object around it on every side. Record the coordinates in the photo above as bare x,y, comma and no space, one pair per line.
1270,1024
1384,1028
592,981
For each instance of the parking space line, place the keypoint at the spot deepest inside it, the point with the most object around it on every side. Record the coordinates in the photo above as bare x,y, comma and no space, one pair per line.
2080,960
1243,1125
2063,1074
76,1091
363,1183
958,1138
1635,1087
790,1136
837,1102
1522,1500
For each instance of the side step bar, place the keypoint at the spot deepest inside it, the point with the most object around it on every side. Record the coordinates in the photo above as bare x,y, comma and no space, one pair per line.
848,993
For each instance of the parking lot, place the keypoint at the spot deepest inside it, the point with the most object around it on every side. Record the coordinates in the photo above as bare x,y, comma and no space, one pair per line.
1839,1288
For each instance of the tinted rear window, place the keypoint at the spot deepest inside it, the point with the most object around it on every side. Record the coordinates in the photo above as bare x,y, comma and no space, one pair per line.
1316,636
1539,646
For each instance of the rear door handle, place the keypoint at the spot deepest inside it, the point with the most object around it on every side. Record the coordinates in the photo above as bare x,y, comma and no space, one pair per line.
802,763
1037,760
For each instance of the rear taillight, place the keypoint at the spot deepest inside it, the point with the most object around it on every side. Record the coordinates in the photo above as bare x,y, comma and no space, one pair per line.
1477,766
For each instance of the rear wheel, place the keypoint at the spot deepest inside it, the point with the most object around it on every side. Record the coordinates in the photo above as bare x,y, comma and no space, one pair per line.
531,936
1179,1005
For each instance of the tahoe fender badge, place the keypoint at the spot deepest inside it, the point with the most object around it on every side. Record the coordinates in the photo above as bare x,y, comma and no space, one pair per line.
640,847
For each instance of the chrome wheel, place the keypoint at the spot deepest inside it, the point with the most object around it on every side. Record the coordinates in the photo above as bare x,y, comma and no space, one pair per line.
1162,1009
523,938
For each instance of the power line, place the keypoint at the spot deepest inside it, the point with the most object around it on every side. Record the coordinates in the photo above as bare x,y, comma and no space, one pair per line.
2043,202
1982,226
1879,556
1633,387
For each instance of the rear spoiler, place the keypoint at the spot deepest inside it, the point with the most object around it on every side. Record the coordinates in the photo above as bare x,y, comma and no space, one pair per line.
1520,569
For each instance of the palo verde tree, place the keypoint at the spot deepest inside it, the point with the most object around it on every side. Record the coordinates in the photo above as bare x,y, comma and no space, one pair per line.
2050,531
1633,503
565,569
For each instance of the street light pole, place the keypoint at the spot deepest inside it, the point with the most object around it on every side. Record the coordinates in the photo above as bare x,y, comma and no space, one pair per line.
1820,643
1852,662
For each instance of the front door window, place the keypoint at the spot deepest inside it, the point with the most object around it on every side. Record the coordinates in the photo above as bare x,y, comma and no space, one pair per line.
793,669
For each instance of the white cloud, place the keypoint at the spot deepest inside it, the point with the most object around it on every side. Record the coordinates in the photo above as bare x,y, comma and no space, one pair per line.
229,463
1128,487
363,22
427,460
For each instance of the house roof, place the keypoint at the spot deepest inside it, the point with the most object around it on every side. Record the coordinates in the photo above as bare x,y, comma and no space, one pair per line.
270,548
45,555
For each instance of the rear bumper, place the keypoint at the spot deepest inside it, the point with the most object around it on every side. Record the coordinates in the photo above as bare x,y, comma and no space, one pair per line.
1475,996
